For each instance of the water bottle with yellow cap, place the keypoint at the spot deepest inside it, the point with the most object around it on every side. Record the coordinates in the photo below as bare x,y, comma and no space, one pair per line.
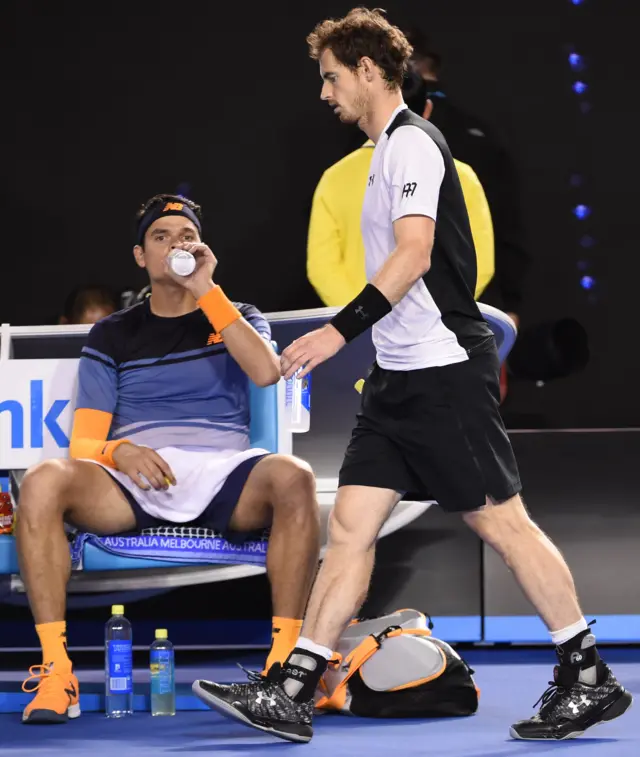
163,681
118,638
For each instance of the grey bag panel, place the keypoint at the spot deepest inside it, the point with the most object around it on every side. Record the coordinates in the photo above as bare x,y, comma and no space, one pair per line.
402,660
358,632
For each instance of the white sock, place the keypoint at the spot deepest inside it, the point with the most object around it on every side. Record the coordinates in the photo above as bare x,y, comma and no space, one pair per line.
311,646
564,634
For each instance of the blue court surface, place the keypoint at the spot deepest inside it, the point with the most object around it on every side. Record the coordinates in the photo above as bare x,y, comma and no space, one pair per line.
510,682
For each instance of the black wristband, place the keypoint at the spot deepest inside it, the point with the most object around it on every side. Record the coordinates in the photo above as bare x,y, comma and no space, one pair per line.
361,313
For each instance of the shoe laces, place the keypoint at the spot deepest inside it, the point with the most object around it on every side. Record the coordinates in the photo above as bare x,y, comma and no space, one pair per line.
549,695
257,681
39,673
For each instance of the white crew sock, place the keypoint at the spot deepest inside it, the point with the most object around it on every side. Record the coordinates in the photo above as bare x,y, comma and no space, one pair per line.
311,646
564,634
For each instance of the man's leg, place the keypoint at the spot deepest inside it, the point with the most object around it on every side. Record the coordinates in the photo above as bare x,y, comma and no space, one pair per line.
535,561
52,492
343,580
588,689
281,492
341,585
283,704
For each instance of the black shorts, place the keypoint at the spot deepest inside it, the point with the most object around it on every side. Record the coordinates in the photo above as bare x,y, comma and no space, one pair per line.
217,514
435,433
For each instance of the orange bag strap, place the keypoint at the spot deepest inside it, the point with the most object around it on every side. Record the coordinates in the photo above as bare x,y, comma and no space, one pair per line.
358,656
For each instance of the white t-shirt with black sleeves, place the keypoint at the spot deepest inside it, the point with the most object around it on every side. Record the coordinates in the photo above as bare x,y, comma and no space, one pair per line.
412,173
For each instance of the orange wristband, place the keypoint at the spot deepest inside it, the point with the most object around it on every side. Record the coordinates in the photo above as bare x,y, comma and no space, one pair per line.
110,448
220,311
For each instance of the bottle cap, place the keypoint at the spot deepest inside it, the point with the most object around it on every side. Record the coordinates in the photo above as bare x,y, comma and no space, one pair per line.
117,609
161,633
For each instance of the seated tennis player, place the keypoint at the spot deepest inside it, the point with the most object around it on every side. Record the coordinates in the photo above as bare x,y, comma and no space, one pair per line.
161,436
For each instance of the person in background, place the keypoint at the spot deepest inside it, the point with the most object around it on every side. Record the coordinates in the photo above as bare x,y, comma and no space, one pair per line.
475,143
89,304
335,250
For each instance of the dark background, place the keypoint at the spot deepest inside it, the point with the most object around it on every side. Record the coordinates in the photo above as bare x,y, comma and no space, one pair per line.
109,103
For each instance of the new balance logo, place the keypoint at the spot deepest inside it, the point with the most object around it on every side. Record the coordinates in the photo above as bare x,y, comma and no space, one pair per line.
214,339
71,692
409,189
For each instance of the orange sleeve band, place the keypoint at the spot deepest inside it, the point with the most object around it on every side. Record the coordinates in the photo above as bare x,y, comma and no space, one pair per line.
220,311
89,436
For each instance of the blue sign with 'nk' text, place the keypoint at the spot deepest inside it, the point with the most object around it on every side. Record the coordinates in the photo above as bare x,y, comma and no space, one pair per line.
39,420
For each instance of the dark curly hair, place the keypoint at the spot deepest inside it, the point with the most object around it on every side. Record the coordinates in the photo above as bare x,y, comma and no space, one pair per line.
164,198
364,33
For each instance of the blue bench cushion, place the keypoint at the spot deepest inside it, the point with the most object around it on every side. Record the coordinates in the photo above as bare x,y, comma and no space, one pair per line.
168,547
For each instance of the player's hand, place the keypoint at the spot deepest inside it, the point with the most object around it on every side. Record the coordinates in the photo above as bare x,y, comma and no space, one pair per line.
311,350
137,462
201,280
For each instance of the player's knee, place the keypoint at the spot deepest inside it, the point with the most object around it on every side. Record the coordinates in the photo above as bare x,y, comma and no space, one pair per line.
502,525
343,532
43,489
294,488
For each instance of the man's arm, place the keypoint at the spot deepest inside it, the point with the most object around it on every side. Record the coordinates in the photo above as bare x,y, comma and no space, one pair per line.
326,269
96,401
250,349
481,225
409,261
415,169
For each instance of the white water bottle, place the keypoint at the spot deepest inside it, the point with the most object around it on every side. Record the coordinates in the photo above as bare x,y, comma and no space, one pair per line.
182,262
298,403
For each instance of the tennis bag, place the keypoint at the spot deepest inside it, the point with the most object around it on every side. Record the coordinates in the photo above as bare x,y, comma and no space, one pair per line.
392,667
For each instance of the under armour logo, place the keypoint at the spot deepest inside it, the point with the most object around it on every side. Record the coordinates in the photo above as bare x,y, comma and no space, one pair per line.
575,706
262,697
361,313
409,189
371,179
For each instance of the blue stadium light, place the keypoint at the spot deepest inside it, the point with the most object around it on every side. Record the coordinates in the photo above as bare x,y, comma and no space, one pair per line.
587,241
580,87
582,212
587,282
576,62
576,2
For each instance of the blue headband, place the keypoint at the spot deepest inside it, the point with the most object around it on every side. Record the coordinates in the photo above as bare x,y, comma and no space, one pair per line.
171,208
